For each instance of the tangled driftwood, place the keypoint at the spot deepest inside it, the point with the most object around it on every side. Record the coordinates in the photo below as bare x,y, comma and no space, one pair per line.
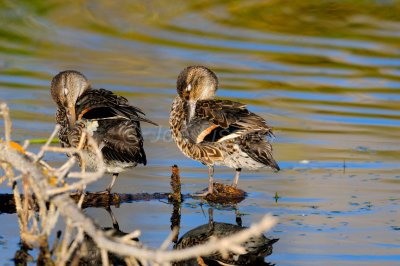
46,199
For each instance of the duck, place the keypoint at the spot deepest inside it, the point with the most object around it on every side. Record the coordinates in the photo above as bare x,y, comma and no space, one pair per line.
217,132
113,123
256,247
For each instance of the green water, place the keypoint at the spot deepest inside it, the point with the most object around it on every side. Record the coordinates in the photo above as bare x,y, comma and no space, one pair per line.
324,74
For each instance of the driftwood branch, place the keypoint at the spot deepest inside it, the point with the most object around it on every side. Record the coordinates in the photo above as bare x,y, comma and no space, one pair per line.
45,192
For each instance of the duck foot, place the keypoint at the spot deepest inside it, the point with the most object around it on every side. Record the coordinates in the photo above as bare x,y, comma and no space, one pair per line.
104,192
206,192
202,195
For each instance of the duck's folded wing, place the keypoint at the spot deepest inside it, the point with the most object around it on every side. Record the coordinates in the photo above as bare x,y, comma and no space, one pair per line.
123,143
220,120
118,140
100,104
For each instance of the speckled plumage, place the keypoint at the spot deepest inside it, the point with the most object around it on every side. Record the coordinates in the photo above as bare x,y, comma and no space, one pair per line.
217,132
112,122
244,145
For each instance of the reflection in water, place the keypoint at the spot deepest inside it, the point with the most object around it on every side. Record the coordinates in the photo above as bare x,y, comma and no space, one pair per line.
257,248
89,254
22,256
86,254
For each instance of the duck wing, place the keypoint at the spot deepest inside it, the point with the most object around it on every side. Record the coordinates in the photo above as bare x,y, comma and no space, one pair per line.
104,104
123,142
220,120
119,140
259,149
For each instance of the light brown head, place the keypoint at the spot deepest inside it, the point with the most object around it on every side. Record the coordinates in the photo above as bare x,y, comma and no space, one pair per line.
66,87
197,83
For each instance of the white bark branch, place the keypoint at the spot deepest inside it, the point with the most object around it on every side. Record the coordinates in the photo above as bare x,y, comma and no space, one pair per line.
61,203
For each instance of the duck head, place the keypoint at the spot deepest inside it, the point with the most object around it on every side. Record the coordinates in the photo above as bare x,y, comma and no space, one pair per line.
197,83
66,87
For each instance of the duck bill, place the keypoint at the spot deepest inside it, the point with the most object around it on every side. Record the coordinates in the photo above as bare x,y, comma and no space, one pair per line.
192,110
71,116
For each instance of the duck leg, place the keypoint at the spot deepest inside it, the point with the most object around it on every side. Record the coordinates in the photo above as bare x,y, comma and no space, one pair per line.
236,178
114,177
210,179
210,189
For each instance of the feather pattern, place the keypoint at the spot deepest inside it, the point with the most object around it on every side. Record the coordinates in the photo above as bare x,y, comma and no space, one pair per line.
117,131
61,119
217,132
107,104
222,120
222,132
203,152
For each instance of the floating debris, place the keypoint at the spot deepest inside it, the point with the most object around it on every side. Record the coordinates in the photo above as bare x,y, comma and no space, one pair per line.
276,197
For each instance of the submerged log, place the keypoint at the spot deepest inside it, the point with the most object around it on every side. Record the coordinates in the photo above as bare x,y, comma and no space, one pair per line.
100,199
224,194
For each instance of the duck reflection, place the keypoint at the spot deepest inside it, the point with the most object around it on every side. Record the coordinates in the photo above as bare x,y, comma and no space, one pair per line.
256,248
89,254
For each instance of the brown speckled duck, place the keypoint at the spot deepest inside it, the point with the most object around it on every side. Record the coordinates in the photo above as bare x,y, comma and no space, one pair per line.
109,118
217,132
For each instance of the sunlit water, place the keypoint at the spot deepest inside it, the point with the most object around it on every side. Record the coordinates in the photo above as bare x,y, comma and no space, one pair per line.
325,75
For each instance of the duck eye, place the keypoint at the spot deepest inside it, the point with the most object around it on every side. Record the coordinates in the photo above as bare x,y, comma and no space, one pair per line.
66,91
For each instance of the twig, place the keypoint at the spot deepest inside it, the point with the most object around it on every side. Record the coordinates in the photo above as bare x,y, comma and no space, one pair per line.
169,239
104,257
7,122
78,239
69,210
47,144
38,183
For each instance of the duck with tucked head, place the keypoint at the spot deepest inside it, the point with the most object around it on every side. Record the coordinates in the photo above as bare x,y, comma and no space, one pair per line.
112,122
217,132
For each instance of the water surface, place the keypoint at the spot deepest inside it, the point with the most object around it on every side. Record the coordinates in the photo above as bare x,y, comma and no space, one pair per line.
325,75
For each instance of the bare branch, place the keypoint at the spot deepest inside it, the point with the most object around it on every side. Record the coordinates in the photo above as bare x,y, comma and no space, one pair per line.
47,144
169,239
7,122
36,180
